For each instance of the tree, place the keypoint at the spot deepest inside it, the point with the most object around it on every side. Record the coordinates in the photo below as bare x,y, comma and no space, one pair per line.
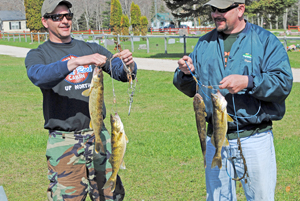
144,24
33,15
82,22
186,8
269,9
106,15
115,16
125,26
135,14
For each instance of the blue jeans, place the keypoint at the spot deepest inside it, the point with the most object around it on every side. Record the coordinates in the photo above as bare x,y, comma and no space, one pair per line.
259,153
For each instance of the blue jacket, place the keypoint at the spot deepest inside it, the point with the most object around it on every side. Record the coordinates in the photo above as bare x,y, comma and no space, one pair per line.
256,53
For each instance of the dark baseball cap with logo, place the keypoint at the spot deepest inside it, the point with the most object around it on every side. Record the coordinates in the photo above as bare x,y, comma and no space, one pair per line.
50,5
222,4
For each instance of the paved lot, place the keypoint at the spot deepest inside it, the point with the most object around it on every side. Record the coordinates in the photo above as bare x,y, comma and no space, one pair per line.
143,63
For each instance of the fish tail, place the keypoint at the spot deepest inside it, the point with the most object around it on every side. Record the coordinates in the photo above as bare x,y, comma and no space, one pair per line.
110,183
217,161
99,147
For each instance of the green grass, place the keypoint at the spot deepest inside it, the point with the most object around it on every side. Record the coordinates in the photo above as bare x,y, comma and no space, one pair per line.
157,49
163,157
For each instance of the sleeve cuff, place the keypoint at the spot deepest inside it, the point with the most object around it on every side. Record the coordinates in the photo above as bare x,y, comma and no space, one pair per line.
250,82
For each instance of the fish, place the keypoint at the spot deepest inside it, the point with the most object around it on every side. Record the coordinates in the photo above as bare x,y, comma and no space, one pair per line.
119,141
200,114
220,126
96,101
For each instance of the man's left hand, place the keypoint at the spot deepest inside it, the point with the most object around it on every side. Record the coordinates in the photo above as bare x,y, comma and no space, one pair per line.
126,56
234,83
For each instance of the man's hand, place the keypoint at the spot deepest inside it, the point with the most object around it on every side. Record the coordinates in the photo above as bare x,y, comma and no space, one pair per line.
93,59
234,83
183,67
127,58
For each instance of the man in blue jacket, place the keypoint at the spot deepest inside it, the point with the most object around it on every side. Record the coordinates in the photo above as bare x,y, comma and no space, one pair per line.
251,68
62,68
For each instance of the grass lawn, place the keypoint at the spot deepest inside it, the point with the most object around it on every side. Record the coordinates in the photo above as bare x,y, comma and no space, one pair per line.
157,48
163,158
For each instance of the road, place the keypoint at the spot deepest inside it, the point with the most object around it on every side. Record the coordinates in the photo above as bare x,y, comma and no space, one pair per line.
143,63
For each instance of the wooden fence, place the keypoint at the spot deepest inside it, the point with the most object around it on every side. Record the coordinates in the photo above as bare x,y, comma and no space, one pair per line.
102,31
92,37
294,28
177,30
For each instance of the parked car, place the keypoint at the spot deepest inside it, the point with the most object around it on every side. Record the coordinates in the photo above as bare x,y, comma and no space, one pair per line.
169,26
184,26
166,28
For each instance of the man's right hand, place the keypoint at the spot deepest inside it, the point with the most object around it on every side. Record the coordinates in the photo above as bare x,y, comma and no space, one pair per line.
183,67
93,59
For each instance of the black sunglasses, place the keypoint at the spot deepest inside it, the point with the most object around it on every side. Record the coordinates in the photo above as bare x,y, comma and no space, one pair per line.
214,9
59,17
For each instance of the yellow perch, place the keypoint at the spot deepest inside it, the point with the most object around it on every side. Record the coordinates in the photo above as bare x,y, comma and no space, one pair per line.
118,148
96,99
200,114
219,120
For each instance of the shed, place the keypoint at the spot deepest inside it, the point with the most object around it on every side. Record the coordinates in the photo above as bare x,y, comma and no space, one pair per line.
12,21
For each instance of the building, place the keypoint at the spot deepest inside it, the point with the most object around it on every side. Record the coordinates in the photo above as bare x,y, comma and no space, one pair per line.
12,21
162,20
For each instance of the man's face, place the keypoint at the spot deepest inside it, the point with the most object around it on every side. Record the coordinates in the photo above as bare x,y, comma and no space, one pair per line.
227,22
59,31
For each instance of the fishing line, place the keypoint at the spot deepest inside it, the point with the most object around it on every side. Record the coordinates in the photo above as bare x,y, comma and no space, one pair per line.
236,121
113,88
199,82
131,88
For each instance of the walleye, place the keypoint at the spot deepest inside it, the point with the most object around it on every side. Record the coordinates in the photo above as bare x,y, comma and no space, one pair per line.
96,101
219,120
118,148
199,108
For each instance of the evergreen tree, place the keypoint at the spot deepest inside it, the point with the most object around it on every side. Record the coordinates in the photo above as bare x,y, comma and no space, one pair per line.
135,14
106,15
125,25
82,22
187,8
152,10
144,24
93,22
115,16
33,15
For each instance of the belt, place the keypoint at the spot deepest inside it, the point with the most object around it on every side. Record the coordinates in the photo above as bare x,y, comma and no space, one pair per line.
71,132
245,131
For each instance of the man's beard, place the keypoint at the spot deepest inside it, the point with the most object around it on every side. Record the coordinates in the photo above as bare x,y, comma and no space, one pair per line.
223,28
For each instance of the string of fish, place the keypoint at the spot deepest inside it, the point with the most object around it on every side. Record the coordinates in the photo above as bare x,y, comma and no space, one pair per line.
113,87
131,88
245,175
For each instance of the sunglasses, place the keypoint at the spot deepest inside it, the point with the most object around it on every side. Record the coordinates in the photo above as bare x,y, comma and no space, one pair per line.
214,9
60,17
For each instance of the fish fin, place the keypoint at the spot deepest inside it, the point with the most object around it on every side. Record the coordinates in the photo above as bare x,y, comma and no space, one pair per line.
110,183
212,140
229,119
126,138
222,116
91,126
226,143
86,92
122,166
205,114
217,161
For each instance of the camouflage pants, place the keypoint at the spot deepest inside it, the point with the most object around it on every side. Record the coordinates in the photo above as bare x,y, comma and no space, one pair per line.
75,170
